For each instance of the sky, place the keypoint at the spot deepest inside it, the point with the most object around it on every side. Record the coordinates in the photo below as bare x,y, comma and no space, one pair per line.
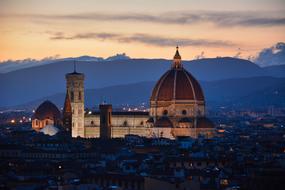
140,28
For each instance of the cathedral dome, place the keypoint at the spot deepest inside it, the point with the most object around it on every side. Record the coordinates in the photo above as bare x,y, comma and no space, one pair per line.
47,110
177,84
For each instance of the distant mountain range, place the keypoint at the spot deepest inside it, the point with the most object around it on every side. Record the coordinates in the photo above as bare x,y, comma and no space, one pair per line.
255,92
13,65
225,80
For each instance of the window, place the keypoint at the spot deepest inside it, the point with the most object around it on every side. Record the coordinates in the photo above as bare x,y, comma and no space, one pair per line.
184,112
72,96
125,123
165,112
79,95
92,122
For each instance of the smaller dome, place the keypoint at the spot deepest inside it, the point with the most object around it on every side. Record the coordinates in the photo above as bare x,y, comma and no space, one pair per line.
163,122
49,130
203,122
47,110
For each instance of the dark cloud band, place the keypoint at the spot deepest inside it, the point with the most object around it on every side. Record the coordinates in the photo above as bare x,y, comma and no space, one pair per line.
142,38
221,19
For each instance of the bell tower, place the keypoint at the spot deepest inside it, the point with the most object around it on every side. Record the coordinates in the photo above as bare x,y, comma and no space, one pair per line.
75,90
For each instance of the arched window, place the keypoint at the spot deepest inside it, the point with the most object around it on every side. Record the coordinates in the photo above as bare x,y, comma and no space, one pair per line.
72,96
92,122
165,112
125,123
184,112
79,95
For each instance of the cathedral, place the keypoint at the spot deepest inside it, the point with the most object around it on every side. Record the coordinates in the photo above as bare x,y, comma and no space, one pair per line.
177,108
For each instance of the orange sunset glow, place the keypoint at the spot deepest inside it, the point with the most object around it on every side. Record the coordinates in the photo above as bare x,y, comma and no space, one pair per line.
38,29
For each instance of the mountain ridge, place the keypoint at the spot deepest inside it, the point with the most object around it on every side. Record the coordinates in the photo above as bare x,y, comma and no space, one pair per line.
226,93
18,87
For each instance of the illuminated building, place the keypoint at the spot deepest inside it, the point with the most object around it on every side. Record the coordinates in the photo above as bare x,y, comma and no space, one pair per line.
75,90
46,114
177,108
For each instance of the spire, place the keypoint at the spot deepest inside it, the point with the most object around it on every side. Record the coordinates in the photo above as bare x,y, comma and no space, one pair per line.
67,105
177,59
177,55
67,114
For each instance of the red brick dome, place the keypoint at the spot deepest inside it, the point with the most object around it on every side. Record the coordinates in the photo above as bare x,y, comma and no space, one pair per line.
47,110
177,84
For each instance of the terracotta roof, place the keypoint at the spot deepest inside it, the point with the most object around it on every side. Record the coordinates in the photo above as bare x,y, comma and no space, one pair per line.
177,84
47,110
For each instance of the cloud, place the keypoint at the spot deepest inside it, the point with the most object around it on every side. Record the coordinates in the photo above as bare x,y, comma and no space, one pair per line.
217,18
99,36
12,65
154,40
238,54
274,55
200,56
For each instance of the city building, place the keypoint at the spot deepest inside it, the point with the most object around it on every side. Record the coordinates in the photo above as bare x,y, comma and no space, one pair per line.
46,114
177,108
